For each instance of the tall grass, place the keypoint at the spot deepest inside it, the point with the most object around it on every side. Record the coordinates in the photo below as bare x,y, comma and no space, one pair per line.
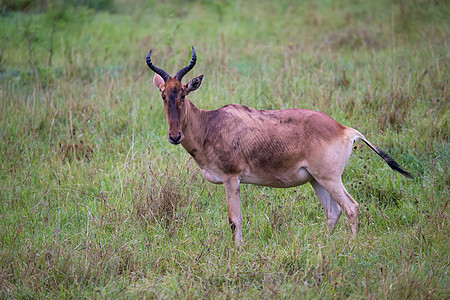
96,203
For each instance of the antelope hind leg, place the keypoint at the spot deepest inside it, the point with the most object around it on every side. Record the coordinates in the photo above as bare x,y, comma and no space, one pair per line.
340,195
332,210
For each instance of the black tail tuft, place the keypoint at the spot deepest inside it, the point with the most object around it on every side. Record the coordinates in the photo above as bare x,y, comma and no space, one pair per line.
393,164
389,160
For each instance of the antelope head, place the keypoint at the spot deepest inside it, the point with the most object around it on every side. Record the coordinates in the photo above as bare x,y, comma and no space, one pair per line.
174,93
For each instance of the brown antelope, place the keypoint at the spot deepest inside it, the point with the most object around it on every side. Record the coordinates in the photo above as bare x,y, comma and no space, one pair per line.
277,148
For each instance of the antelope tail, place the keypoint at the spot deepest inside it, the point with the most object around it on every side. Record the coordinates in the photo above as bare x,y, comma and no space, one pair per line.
389,160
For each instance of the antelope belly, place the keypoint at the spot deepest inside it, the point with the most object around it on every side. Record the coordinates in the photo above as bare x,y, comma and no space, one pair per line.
284,180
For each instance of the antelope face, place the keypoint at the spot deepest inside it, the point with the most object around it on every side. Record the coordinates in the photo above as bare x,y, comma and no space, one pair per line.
174,93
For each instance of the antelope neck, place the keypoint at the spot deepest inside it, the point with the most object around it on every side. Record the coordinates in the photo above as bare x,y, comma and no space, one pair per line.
191,122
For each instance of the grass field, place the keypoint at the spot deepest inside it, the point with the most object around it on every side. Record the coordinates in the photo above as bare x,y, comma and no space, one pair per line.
95,202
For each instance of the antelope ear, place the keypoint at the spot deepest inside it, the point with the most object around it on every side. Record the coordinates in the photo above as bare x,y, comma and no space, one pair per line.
159,82
194,84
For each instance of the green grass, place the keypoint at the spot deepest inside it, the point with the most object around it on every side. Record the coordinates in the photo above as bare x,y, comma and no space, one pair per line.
95,203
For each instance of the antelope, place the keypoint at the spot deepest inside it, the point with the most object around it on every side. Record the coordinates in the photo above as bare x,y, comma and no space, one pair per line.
276,148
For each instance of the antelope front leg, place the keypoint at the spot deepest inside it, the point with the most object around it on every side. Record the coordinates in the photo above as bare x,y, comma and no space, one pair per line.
232,190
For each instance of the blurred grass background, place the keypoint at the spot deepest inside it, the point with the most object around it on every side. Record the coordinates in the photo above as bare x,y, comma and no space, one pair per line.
95,203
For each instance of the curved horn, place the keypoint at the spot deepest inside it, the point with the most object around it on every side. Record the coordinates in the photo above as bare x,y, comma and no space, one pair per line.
158,71
186,69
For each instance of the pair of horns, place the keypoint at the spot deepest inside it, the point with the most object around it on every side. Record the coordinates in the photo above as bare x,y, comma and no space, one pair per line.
166,75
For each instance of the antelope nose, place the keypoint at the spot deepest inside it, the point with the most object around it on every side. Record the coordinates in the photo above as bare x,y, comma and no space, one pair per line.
175,140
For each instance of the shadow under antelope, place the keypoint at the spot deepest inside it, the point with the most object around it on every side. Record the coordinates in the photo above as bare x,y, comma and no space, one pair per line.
277,148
